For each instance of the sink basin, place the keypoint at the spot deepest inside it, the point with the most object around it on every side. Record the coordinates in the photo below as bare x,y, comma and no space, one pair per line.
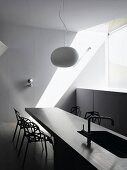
109,141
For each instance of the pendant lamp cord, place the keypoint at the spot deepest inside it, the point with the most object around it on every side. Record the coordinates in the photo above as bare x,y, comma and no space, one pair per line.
65,27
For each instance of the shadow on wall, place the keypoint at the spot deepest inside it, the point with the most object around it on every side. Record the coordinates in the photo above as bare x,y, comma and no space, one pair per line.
93,76
68,100
9,94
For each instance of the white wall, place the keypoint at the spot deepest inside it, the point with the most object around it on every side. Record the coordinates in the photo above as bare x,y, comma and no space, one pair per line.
93,76
118,59
118,77
28,56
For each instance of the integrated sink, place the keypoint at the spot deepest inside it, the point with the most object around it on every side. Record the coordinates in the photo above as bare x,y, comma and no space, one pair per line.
109,141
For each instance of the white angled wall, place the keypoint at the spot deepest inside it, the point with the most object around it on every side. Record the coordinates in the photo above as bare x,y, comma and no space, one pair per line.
118,59
92,76
107,70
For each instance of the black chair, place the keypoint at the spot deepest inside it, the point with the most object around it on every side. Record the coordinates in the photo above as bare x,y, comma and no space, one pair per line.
93,113
33,134
76,110
20,123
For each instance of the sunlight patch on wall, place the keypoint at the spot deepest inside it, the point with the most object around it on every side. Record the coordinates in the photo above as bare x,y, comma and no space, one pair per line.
64,77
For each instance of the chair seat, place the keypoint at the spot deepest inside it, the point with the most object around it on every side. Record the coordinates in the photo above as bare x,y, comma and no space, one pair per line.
33,138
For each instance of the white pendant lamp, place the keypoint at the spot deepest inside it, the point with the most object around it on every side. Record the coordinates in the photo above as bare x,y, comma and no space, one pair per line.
64,56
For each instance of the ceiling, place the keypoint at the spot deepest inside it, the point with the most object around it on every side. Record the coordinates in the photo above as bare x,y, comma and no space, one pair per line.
77,14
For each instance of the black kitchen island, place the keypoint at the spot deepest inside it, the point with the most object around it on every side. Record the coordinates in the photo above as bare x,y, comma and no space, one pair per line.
70,147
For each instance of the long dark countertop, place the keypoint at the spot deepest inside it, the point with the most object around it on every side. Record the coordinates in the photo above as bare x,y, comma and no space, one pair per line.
65,125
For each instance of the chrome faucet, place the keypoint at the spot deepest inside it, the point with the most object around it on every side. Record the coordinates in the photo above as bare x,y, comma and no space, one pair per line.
89,127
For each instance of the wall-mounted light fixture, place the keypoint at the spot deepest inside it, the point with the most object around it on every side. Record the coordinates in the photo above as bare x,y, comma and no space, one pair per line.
30,82
3,48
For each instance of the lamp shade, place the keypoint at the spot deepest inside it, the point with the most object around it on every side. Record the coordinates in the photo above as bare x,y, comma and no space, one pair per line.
64,57
3,48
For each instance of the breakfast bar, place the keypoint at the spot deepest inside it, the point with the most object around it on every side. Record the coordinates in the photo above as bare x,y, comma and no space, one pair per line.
70,147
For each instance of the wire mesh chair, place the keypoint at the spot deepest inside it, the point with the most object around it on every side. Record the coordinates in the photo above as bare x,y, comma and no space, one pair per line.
20,124
93,113
33,134
76,110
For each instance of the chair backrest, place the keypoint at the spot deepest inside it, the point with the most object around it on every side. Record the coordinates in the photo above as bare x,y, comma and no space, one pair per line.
22,121
32,128
17,114
93,113
76,110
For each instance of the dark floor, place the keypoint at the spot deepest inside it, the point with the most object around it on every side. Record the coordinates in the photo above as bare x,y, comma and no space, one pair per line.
35,160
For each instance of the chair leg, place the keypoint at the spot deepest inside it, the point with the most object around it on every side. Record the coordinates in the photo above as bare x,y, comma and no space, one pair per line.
42,145
99,121
45,147
53,146
52,142
14,132
25,153
21,145
18,137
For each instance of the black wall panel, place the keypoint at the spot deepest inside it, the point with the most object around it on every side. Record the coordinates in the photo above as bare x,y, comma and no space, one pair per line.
112,104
